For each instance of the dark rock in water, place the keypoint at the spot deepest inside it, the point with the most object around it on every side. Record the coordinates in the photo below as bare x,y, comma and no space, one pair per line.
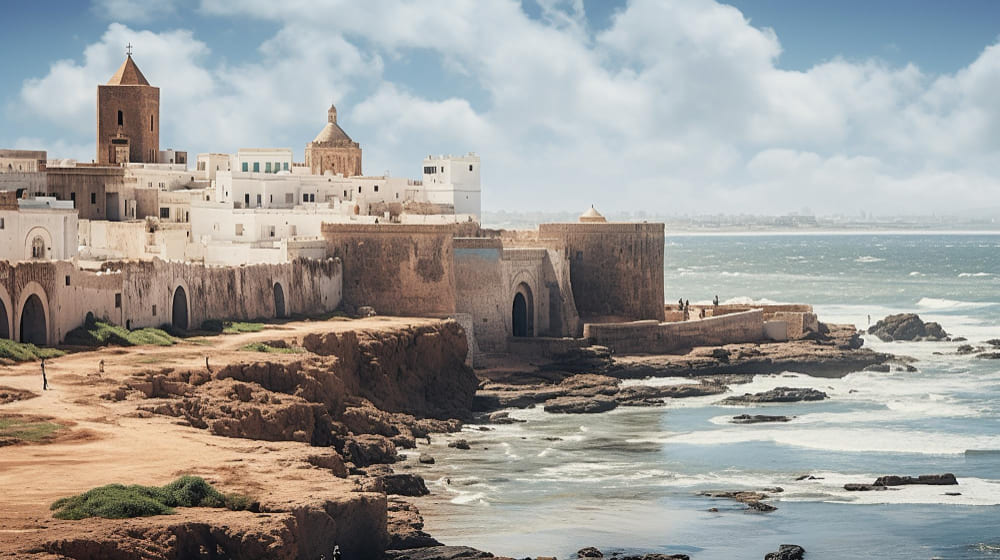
952,493
965,349
426,459
995,342
437,553
657,557
809,477
775,490
758,418
778,394
405,485
504,418
713,510
881,368
855,487
459,444
933,479
760,507
589,552
989,356
581,405
787,552
959,339
906,326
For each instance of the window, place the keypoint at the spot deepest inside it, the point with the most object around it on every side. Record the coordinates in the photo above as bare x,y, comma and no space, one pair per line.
305,197
376,188
289,198
359,189
397,196
246,200
470,167
345,194
442,170
93,198
270,198
1,223
121,119
67,279
151,130
271,231
285,166
312,198
246,167
118,301
201,166
430,170
258,201
38,248
164,213
256,167
277,167
267,167
239,229
154,311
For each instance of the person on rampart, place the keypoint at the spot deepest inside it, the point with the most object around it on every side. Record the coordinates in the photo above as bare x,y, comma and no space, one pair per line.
680,304
715,302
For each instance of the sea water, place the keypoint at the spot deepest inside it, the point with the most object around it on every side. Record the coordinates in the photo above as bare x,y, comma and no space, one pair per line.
629,479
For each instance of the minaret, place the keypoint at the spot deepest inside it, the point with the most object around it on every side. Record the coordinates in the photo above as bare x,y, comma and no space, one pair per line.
128,117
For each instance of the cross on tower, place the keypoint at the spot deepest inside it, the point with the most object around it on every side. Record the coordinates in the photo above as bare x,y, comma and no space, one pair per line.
128,49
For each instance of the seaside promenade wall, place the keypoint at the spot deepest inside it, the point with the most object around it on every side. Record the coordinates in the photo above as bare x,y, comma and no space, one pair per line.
396,269
656,337
42,301
616,269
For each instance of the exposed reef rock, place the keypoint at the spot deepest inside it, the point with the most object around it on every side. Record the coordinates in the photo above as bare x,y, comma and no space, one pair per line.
787,552
907,326
437,553
776,395
753,500
581,405
885,482
759,418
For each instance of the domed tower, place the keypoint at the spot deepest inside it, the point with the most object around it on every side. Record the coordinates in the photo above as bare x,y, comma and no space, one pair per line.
333,150
128,117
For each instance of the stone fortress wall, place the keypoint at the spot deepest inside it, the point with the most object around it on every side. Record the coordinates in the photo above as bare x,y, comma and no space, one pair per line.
42,301
655,337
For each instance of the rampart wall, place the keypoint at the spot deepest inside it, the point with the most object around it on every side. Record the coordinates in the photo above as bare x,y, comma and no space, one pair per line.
397,269
616,268
656,337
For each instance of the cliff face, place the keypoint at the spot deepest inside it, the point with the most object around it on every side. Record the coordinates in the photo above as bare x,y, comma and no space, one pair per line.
345,400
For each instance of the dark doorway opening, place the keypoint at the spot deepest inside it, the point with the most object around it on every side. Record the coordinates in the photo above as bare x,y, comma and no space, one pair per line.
4,321
33,324
522,321
179,315
279,301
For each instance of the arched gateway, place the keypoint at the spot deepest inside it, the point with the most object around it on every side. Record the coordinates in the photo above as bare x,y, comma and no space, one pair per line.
179,310
522,312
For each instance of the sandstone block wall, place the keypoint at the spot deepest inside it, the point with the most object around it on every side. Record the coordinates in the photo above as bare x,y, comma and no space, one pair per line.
656,337
616,269
397,269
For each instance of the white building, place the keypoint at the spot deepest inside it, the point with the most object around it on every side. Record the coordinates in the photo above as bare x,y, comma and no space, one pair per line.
41,228
166,176
454,181
172,156
213,163
263,160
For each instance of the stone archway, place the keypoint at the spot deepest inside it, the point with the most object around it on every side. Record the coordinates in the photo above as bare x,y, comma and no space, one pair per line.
279,301
179,309
522,312
34,326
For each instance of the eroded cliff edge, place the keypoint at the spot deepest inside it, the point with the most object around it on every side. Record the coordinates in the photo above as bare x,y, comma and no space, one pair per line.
304,432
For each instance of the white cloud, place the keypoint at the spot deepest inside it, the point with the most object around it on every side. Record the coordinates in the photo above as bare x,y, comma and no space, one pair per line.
676,107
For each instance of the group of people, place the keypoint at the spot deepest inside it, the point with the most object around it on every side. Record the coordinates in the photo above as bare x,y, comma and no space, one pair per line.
684,305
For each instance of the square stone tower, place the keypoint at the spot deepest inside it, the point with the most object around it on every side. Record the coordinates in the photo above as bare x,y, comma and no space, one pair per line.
128,118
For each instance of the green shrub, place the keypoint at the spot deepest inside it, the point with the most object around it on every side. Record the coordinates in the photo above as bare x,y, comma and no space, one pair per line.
262,347
236,327
95,332
116,501
25,352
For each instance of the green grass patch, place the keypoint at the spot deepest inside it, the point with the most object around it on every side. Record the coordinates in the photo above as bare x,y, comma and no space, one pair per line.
237,327
24,352
263,347
23,429
117,501
95,332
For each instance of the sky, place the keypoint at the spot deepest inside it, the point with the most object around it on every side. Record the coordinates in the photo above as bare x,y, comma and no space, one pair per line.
667,107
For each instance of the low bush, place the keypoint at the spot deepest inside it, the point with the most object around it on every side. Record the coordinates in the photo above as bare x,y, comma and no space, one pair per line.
24,352
95,332
117,501
263,347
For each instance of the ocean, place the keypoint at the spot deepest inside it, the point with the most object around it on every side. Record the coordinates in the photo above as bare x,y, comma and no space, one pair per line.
627,480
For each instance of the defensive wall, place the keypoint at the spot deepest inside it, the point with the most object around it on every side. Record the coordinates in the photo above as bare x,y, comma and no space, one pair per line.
616,269
397,269
42,301
657,337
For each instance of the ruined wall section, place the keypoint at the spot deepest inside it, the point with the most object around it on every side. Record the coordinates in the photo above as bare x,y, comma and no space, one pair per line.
616,268
397,269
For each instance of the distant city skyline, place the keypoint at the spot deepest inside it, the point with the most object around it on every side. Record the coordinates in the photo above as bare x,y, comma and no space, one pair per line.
691,107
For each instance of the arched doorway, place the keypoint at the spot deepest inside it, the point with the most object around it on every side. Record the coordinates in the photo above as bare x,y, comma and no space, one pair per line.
4,321
522,311
279,301
179,311
33,324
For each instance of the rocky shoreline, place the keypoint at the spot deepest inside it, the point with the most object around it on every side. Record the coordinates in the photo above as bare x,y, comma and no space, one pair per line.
334,416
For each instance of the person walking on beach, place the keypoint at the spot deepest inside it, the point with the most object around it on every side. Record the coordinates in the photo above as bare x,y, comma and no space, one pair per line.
45,380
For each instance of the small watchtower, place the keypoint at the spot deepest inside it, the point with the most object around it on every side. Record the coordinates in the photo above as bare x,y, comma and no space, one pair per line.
128,117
